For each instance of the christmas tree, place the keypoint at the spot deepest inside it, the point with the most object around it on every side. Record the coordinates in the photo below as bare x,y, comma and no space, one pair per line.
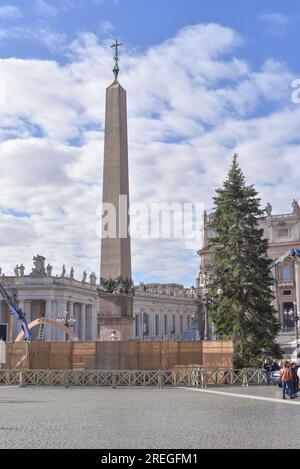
244,312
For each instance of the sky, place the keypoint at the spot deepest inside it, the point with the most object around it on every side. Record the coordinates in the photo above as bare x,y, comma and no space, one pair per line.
203,80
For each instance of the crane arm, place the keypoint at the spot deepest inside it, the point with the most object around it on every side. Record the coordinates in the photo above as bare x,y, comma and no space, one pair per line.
16,313
291,254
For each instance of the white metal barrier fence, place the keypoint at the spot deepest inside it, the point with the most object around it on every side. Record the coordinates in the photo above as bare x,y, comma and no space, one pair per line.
196,377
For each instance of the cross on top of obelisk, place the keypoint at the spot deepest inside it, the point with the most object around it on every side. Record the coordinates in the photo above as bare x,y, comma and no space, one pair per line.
116,69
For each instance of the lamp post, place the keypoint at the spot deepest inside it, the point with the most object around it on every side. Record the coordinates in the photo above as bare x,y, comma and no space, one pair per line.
293,315
67,321
296,320
204,299
206,302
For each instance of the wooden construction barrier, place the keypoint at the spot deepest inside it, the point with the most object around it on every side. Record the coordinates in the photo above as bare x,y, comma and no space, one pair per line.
129,355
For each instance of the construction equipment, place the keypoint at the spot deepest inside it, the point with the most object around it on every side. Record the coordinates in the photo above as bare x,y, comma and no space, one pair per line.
16,313
41,333
291,254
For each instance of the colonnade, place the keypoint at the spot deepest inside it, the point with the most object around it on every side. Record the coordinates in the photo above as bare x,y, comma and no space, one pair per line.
85,315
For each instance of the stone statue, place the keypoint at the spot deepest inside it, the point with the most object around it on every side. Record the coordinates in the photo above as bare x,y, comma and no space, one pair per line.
296,208
63,272
22,270
205,217
49,269
72,273
93,279
84,275
0,271
116,286
39,267
269,209
16,271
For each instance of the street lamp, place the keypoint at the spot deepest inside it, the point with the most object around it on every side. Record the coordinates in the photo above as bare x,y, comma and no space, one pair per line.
204,300
293,315
67,321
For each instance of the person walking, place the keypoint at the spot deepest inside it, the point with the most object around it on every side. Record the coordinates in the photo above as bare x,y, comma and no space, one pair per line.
295,379
266,369
287,380
298,374
275,366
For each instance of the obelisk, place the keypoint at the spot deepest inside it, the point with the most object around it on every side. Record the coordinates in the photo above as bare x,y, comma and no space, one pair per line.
116,286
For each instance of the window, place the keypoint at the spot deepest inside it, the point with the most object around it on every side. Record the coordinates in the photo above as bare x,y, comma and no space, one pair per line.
286,273
283,232
188,322
156,324
181,324
287,292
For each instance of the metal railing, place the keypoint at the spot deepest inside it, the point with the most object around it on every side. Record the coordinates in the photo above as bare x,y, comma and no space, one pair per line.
191,377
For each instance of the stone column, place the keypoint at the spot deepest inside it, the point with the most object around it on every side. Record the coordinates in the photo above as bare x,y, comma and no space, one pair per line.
82,322
177,324
61,312
88,320
297,280
53,336
71,308
27,310
71,313
94,322
48,315
162,324
77,318
1,318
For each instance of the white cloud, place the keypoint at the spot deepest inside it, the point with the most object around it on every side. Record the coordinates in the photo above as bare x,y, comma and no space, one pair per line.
277,23
10,12
106,27
45,9
51,39
191,103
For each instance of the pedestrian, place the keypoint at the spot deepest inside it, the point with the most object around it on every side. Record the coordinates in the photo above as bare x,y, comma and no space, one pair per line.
286,379
114,336
266,369
295,379
275,366
298,374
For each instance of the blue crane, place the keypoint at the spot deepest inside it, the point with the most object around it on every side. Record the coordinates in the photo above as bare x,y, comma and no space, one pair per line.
291,254
16,313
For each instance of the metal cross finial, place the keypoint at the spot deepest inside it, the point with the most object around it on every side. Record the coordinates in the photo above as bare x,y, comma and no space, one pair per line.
116,69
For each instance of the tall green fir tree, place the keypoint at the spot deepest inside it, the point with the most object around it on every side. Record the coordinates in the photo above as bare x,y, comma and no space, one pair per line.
244,311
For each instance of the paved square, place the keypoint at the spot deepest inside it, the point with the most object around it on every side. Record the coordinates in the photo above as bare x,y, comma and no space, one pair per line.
37,417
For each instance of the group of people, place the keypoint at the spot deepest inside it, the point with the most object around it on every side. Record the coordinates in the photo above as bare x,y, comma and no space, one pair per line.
289,376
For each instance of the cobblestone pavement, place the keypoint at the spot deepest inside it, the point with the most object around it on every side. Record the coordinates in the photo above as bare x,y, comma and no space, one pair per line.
39,417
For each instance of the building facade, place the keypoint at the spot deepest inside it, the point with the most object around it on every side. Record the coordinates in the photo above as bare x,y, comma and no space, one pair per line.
161,312
42,295
283,233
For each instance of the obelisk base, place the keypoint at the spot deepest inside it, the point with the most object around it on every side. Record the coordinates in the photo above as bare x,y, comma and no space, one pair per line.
116,313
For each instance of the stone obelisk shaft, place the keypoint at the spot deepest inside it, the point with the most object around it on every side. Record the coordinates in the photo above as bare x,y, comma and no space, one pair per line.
116,252
116,310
